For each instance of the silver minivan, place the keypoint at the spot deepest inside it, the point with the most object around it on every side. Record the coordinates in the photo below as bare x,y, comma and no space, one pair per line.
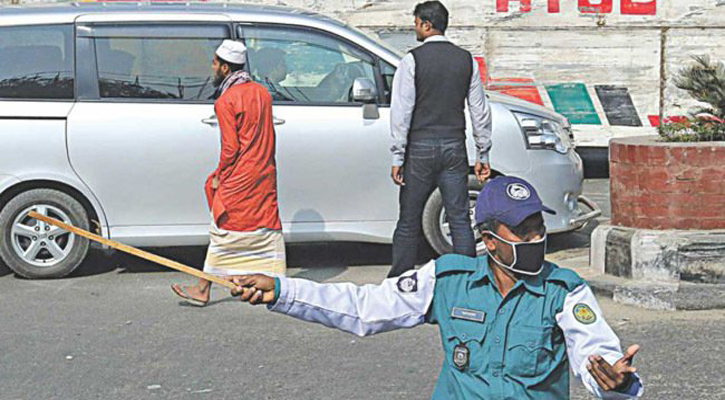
107,123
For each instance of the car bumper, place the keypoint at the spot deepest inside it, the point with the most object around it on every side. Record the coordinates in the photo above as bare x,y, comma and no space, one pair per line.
558,179
584,218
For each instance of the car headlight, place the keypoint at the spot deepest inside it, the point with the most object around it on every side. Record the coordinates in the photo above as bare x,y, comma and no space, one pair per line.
544,133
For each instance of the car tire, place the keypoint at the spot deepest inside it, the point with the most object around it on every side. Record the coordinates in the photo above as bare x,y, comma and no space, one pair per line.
434,218
55,252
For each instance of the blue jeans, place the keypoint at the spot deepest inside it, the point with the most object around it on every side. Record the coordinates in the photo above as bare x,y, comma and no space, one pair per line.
432,163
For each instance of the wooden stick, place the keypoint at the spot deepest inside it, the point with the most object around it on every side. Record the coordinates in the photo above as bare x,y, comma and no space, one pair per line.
133,251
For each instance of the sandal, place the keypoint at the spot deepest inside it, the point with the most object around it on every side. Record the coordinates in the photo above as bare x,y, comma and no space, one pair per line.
181,292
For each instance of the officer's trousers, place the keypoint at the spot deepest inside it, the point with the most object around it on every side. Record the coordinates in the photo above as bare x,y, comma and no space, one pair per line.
432,163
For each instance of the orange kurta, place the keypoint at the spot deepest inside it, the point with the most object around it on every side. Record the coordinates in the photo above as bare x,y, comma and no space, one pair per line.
246,199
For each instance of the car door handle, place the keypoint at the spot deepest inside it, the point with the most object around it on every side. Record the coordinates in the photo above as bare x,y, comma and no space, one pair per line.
278,121
210,121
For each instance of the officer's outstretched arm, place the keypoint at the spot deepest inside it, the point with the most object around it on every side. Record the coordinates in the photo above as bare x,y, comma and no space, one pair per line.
362,310
588,334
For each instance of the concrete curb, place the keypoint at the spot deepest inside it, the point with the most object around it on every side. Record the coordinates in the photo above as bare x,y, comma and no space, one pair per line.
658,296
662,270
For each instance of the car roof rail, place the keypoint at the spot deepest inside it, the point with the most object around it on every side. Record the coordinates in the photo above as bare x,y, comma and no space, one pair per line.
162,3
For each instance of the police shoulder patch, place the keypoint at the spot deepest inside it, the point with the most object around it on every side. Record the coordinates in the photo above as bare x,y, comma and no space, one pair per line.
584,314
409,283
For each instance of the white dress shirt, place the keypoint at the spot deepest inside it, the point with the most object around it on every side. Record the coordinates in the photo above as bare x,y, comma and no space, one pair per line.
403,103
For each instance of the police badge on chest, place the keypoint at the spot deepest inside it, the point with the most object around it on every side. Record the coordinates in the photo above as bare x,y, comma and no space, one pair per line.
461,356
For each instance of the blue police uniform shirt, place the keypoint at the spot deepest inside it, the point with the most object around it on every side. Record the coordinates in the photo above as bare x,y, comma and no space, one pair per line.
516,347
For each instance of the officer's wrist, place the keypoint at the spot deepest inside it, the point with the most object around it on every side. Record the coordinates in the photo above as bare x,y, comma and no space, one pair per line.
277,290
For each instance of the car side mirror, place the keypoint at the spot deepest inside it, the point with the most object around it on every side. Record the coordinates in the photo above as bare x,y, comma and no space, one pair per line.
364,91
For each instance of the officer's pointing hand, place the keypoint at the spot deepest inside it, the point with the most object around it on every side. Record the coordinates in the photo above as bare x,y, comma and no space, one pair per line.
617,376
254,289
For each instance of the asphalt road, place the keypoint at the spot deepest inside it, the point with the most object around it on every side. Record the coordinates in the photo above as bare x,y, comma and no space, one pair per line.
115,330
123,335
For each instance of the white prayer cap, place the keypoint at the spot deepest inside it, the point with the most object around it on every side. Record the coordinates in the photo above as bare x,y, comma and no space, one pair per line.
232,51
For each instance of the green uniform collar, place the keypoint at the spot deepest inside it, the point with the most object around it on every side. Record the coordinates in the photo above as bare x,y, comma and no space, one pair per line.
534,284
479,271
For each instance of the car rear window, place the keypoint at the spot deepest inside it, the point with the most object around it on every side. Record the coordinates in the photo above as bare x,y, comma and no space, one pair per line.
36,62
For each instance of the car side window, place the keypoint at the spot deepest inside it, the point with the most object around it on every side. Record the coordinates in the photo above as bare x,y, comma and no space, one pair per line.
387,71
155,67
36,62
300,65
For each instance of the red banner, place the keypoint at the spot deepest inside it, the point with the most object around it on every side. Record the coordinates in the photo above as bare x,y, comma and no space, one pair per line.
628,7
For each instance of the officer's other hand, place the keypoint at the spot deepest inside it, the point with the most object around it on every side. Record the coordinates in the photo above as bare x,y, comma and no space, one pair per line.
397,175
253,289
613,377
482,171
215,182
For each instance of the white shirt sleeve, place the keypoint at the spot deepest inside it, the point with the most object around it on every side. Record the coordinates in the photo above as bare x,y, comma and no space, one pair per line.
396,303
479,109
591,338
402,104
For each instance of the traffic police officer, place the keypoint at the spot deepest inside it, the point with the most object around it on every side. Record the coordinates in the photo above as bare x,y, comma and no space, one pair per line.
511,323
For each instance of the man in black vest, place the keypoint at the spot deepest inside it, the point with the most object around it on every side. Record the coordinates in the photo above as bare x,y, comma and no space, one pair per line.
430,88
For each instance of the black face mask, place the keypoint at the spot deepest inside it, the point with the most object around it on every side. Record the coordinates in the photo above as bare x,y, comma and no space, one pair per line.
528,256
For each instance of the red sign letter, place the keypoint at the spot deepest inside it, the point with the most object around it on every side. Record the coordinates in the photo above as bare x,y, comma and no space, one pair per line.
553,6
503,5
604,7
638,8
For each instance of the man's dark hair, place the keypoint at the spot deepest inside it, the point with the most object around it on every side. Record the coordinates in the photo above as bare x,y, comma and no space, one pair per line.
434,12
232,67
533,224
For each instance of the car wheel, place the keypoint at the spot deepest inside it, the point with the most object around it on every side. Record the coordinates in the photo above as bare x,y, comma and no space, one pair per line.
35,249
435,223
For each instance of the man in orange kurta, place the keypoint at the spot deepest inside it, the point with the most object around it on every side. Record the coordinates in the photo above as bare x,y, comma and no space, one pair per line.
246,232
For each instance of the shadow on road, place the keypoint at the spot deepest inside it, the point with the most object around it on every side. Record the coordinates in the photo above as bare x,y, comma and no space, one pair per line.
318,261
337,254
323,261
4,270
192,256
100,261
